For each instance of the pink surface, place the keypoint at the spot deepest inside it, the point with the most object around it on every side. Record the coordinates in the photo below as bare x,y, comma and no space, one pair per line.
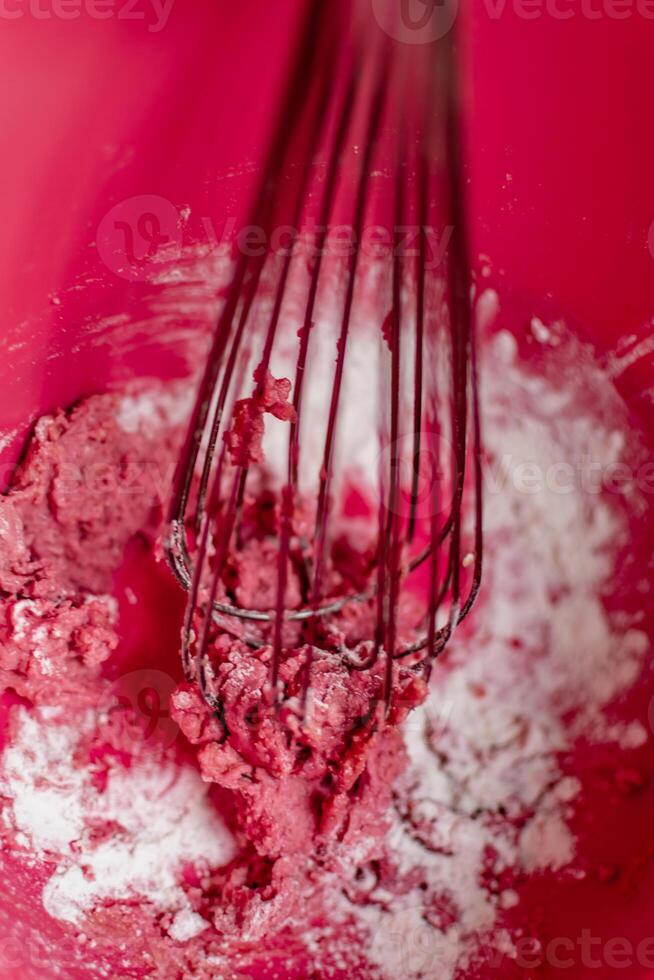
96,113
560,157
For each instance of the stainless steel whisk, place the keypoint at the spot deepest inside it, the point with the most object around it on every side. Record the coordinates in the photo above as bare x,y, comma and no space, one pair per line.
369,138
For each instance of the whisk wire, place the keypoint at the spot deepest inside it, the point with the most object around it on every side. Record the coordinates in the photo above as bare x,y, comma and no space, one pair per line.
338,81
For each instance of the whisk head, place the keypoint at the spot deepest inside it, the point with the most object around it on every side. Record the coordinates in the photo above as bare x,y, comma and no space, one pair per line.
329,489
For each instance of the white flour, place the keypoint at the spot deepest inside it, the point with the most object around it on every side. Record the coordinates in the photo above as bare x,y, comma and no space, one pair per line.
150,409
157,816
483,749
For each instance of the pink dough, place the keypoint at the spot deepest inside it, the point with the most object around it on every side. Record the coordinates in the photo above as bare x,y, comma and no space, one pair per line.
289,799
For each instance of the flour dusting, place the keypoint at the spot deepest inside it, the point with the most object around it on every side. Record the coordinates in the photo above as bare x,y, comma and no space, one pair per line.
483,800
157,818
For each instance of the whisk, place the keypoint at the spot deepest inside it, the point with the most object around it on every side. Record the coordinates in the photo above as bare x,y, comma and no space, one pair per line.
340,388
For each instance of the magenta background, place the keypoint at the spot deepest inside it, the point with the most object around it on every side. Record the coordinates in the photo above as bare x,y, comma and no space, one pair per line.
94,112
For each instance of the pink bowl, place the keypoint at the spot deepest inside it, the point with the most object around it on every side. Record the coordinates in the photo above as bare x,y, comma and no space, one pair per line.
113,121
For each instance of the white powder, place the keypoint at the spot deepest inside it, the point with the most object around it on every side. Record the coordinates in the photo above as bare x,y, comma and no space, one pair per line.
21,615
628,735
158,815
8,437
546,843
156,407
186,925
357,436
483,749
407,946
